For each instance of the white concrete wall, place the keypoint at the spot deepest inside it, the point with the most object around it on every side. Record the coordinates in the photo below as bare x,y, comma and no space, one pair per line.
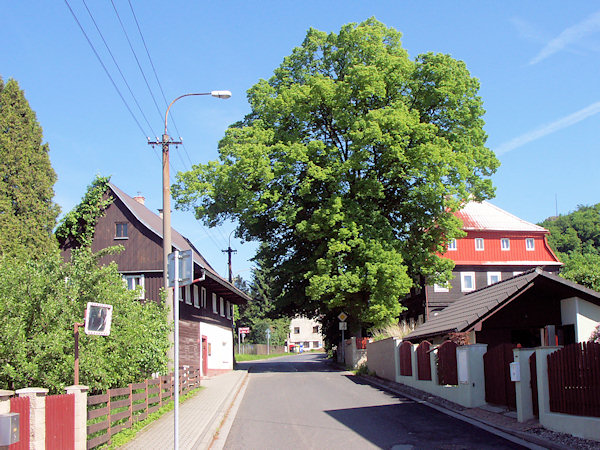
382,358
221,346
583,314
470,392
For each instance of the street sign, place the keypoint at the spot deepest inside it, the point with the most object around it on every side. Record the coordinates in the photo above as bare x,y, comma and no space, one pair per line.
343,316
244,330
186,268
98,318
343,325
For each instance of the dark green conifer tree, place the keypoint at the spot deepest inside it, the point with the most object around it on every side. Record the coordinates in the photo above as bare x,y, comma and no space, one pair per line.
27,211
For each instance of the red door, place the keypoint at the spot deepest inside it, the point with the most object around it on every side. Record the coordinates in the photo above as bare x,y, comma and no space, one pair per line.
204,355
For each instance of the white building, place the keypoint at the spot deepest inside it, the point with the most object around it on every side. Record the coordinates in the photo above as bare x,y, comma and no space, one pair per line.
305,333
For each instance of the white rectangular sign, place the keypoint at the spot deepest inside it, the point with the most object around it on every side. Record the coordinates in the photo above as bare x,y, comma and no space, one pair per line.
186,268
343,325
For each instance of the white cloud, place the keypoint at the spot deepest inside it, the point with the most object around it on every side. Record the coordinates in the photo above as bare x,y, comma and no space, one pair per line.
568,36
549,128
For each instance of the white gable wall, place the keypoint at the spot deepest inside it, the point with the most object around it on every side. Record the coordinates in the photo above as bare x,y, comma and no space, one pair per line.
583,314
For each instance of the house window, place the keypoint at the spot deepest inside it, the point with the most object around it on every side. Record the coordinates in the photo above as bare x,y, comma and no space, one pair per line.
493,277
203,297
296,330
188,295
452,244
316,329
121,230
228,309
133,281
479,244
505,244
467,281
222,305
316,344
441,287
196,298
181,293
529,244
306,344
214,304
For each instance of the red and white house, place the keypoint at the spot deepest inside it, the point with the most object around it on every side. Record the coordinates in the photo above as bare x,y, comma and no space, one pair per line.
498,246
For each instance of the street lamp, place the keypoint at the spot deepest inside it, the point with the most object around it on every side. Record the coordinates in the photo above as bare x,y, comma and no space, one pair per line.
174,313
166,196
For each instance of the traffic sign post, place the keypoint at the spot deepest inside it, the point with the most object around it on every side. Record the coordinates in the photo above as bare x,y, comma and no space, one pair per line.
343,327
268,333
242,332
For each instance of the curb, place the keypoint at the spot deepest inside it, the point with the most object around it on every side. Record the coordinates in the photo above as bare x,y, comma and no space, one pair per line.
209,434
534,441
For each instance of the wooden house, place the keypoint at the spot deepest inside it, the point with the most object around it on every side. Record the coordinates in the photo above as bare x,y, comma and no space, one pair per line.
206,306
497,246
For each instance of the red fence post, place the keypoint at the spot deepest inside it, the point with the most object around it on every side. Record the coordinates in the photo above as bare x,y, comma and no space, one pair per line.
18,405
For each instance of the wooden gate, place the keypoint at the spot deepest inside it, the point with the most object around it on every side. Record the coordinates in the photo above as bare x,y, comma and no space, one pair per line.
60,422
533,383
21,405
573,374
424,361
405,358
499,390
446,364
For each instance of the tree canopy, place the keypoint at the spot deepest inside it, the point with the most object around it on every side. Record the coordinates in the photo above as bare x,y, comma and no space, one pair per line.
349,167
576,239
27,212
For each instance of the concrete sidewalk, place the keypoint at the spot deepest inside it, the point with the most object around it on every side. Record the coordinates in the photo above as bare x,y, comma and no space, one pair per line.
199,417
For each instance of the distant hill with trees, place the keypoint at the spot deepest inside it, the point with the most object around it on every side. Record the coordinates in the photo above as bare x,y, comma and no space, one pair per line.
575,237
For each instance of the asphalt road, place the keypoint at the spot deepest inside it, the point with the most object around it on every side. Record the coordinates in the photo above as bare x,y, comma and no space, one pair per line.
303,402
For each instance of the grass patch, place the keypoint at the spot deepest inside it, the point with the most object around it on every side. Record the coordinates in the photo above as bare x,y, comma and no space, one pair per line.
124,436
242,358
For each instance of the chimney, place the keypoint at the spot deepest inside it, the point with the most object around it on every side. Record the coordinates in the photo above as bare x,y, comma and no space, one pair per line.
160,213
139,198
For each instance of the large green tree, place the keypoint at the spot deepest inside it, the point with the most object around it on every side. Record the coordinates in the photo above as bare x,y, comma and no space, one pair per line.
27,212
349,167
575,237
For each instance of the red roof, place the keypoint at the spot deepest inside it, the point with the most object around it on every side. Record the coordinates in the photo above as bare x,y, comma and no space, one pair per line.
491,225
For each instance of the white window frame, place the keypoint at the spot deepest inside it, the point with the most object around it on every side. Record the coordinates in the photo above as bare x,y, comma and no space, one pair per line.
222,305
441,287
181,293
529,244
141,283
463,275
452,245
203,297
196,297
214,304
490,275
479,244
505,244
228,309
188,295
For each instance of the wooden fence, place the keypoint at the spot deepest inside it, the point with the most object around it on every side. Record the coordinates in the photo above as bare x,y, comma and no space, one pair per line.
574,379
499,389
361,343
446,363
424,361
21,405
120,408
60,421
404,351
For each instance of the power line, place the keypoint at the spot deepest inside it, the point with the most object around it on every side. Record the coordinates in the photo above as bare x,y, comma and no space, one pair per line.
105,69
136,59
117,65
156,76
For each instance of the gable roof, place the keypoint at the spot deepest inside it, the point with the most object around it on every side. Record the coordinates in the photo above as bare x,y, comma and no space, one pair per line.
478,305
478,216
154,223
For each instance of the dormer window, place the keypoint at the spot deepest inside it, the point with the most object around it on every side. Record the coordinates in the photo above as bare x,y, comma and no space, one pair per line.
505,244
452,244
530,244
121,230
479,244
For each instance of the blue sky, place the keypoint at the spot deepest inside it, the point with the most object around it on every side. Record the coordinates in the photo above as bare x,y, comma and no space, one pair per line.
537,62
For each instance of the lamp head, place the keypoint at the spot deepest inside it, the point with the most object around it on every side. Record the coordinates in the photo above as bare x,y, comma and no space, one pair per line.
221,94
